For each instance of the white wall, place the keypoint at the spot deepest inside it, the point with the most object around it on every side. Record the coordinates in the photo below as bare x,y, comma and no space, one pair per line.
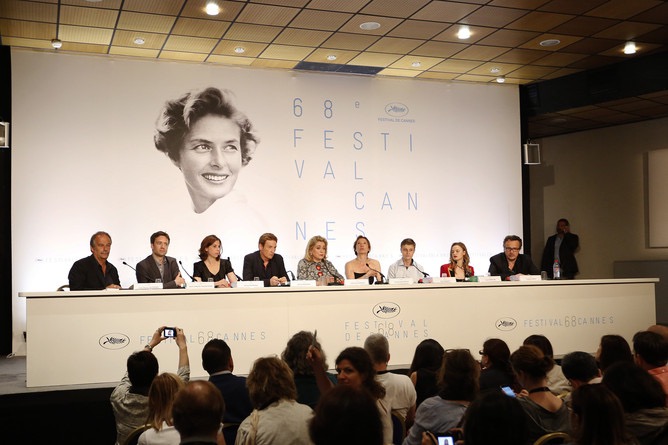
596,179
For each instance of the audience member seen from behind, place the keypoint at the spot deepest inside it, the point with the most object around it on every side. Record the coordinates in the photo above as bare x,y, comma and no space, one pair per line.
95,272
159,266
561,248
546,413
598,418
424,369
218,363
265,264
643,400
458,379
495,419
580,369
556,380
213,267
459,263
294,355
651,354
209,139
315,265
511,262
277,418
363,266
129,400
346,415
613,349
160,400
406,267
496,370
198,411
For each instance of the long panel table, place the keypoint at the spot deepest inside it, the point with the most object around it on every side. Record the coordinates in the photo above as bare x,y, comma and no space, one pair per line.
86,337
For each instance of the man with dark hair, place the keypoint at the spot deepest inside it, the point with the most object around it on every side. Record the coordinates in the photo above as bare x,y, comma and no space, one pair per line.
511,262
197,413
399,390
650,352
561,247
129,400
95,272
406,267
580,369
159,266
265,263
217,362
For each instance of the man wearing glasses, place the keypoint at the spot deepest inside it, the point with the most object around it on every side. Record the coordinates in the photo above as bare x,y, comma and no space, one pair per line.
511,261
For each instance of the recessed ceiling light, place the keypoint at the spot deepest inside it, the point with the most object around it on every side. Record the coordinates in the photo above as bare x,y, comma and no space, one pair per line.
416,64
331,57
57,43
495,70
239,50
463,33
501,79
630,48
550,42
212,8
370,26
139,41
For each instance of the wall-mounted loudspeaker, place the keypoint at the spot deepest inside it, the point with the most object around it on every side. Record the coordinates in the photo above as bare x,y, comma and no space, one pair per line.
4,134
531,153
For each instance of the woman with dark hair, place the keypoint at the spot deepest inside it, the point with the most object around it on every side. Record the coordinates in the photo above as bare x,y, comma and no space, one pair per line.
642,399
212,267
315,265
458,379
496,370
346,415
160,399
613,349
495,419
277,417
424,369
209,139
598,417
546,413
295,357
556,380
459,266
363,266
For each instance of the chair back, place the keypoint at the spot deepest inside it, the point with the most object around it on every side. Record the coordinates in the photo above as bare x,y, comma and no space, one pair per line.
133,437
64,287
553,439
398,429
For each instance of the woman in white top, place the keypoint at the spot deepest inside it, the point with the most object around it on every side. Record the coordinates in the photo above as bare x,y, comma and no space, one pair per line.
160,399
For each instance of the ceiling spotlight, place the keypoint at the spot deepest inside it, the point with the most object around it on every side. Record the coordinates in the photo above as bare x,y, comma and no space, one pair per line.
630,48
331,57
495,70
212,8
550,42
139,41
463,33
369,26
239,50
501,79
57,43
416,64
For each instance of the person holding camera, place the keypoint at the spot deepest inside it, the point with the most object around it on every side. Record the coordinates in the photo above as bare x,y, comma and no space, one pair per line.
129,400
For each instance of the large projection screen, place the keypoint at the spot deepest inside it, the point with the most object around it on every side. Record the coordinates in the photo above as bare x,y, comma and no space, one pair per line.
338,156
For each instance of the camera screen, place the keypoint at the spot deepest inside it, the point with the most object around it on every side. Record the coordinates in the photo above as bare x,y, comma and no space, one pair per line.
445,440
169,332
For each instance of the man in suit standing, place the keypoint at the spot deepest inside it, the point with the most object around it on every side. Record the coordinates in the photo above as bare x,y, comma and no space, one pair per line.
159,266
561,247
95,272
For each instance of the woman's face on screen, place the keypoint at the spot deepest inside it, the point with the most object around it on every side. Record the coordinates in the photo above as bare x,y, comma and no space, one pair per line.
210,159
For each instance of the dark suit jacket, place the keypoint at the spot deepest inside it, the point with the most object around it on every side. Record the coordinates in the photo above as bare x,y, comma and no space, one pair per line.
86,274
567,262
148,272
237,402
254,267
498,265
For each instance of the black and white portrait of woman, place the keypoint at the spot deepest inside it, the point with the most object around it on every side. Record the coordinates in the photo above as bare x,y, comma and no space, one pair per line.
209,139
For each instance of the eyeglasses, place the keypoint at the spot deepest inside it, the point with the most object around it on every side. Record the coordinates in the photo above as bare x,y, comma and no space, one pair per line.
448,351
481,352
512,249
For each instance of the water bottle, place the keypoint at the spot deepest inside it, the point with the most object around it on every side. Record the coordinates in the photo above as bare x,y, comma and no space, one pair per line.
556,270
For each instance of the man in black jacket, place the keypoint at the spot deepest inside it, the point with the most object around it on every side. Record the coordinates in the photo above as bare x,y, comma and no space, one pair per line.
561,247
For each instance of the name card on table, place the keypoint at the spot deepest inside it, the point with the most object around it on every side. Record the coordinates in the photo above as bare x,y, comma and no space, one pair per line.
488,279
147,286
255,284
407,280
444,280
200,285
357,282
529,278
302,283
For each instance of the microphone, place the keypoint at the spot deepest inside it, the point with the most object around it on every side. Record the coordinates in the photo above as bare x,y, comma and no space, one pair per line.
292,276
184,269
382,277
418,269
338,277
147,278
235,274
